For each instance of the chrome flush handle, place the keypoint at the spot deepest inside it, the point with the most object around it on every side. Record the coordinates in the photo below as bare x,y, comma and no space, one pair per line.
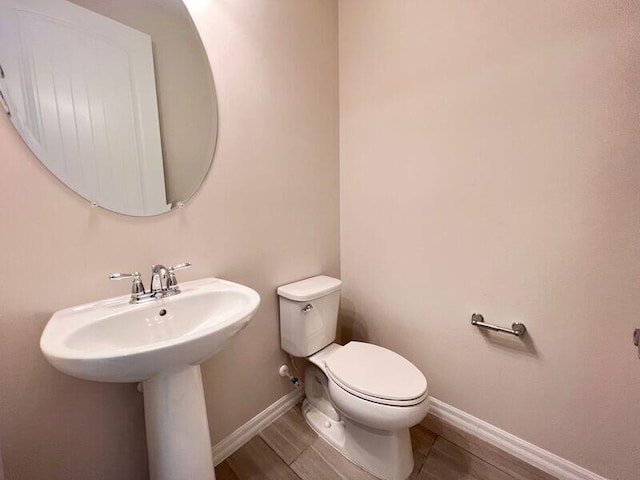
307,308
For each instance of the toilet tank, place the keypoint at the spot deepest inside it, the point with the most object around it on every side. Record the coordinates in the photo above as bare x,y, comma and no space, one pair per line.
309,314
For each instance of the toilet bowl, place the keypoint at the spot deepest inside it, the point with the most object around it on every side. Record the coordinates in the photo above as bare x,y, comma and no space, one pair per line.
361,398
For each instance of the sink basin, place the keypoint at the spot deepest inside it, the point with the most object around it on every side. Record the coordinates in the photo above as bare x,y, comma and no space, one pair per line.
115,341
161,344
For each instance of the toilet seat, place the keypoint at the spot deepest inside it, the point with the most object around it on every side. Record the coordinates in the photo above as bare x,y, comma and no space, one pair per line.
376,374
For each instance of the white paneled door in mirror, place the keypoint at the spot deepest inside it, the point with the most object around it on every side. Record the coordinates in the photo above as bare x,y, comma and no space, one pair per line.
81,89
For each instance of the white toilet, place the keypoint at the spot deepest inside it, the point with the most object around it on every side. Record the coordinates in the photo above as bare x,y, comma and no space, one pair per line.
361,398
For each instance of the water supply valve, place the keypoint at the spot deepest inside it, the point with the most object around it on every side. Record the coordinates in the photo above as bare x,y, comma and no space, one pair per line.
283,371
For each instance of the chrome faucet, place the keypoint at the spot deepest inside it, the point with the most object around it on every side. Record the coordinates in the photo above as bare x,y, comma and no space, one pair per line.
159,279
163,283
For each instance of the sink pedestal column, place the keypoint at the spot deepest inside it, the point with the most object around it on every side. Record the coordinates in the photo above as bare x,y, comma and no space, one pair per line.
177,428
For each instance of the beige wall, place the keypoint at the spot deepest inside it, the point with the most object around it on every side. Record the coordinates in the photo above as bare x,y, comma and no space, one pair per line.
490,161
266,215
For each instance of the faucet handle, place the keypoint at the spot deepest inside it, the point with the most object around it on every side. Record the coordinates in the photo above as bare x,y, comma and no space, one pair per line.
137,286
122,276
180,266
172,281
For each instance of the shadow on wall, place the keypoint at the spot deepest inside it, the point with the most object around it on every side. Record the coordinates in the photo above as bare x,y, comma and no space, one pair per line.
351,326
523,345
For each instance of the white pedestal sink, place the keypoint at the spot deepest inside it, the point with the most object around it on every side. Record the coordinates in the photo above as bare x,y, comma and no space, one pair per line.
161,344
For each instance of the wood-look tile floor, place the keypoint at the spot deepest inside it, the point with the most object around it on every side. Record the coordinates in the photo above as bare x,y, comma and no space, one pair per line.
290,450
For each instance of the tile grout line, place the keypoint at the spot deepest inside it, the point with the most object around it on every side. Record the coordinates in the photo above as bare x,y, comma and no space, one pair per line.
424,463
288,465
333,467
300,454
259,434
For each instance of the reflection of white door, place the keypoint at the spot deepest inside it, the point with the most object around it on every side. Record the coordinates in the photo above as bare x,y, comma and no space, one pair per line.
81,89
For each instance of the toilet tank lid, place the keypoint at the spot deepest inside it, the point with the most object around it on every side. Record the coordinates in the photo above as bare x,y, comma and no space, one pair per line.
310,288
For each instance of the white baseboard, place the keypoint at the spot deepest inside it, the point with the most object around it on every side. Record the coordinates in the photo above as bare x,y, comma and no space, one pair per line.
246,432
536,456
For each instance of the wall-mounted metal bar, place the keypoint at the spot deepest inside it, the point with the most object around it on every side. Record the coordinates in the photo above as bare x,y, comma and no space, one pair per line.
517,329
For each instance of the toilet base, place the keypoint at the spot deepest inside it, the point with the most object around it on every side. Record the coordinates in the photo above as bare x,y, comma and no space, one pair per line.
385,454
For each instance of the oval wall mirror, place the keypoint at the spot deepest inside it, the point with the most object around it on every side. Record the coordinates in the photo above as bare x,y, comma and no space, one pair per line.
116,98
